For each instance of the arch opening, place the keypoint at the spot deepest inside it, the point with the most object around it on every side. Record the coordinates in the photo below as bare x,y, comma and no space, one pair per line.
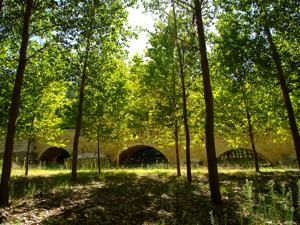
54,155
140,155
242,157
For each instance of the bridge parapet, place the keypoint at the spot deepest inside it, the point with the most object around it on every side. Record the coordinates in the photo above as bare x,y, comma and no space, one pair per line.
273,151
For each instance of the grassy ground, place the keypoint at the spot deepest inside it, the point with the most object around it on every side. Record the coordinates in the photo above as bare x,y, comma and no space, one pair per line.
152,196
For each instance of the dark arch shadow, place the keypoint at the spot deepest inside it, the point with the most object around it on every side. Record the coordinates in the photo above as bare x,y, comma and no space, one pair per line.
54,155
242,155
141,154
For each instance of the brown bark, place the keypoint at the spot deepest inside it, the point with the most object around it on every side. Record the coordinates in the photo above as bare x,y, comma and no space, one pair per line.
27,157
28,150
14,108
250,132
176,131
184,108
251,136
84,77
176,128
98,152
79,115
285,92
209,122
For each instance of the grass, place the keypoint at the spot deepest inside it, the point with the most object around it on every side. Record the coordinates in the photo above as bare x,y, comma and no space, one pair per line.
44,170
152,196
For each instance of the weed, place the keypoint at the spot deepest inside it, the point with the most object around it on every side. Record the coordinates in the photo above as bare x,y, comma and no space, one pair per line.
271,207
213,220
155,196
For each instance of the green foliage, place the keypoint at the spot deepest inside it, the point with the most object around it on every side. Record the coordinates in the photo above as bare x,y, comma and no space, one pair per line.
243,74
141,98
269,207
105,101
41,113
244,77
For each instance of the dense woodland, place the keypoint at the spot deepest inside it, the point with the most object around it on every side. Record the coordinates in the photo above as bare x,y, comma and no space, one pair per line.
212,67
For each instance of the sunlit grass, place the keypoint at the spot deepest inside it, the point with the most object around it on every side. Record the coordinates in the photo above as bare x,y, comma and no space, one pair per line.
48,171
38,172
249,198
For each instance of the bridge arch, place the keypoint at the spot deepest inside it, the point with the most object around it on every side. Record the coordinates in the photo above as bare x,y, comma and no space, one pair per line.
142,154
54,155
242,154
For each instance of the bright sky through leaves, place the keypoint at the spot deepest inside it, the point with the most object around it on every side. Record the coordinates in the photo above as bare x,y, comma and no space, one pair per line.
137,18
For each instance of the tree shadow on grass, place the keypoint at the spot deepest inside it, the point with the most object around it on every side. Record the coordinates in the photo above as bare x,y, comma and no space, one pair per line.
36,186
125,198
262,183
129,199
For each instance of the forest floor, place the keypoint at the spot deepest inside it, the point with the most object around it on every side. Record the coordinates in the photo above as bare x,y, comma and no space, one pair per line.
145,197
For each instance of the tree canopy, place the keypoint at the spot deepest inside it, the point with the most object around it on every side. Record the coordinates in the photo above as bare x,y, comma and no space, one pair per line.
212,68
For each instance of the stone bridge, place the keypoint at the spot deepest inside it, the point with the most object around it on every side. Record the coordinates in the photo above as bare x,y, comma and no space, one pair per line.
120,150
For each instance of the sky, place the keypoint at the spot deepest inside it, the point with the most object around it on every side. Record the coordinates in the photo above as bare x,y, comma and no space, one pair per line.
138,18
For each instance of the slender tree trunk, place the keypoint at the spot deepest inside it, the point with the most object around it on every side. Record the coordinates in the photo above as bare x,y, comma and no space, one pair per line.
117,162
250,131
185,117
14,109
176,131
27,157
28,150
98,151
84,77
285,92
79,114
176,128
251,136
209,122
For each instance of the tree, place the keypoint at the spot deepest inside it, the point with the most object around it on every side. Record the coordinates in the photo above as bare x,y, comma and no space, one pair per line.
234,62
274,23
282,80
106,91
81,96
209,124
140,117
96,23
40,118
14,108
184,100
42,105
162,67
181,34
9,41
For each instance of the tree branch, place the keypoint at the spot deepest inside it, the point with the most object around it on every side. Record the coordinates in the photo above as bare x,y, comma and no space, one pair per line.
189,44
40,50
185,5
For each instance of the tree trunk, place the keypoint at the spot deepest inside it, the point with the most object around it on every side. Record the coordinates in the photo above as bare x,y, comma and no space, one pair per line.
81,97
14,109
117,161
79,115
98,151
251,136
176,131
209,122
185,117
176,128
250,131
285,92
1,5
27,157
28,149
